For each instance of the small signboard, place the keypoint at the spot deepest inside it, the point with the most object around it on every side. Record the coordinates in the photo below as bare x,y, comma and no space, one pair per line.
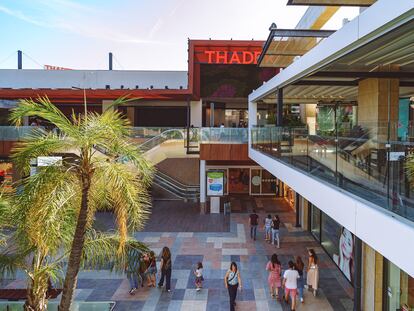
47,161
396,155
215,183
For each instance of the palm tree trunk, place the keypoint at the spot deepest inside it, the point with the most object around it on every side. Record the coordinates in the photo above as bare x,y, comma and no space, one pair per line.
36,295
76,250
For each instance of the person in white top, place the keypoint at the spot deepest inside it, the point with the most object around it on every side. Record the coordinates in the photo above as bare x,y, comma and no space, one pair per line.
290,283
199,276
268,228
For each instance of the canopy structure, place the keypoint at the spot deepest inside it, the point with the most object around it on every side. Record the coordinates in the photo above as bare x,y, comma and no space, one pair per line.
332,2
390,56
283,45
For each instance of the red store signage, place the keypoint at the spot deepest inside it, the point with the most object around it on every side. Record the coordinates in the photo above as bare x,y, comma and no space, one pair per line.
232,57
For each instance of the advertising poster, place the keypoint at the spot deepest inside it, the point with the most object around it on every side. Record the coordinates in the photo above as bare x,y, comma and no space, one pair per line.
215,183
345,258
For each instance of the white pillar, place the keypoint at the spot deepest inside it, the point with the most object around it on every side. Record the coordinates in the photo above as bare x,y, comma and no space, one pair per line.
196,111
202,182
252,119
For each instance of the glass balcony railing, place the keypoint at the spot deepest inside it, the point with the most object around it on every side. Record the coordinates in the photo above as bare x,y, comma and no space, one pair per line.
224,135
13,133
364,163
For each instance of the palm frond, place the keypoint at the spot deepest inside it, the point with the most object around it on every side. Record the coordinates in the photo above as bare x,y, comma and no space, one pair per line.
12,260
127,195
99,250
42,107
38,143
47,206
130,155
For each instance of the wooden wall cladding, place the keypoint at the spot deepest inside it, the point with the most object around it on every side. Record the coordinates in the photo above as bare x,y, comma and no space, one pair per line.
235,152
5,148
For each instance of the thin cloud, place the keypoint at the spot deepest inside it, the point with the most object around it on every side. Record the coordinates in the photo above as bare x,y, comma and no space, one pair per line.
98,31
20,15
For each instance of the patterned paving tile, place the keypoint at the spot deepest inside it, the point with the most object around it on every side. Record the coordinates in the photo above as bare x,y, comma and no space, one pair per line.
216,250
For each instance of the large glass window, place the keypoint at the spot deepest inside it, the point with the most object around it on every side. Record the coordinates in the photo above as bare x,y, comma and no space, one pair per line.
256,180
315,222
239,180
399,290
268,183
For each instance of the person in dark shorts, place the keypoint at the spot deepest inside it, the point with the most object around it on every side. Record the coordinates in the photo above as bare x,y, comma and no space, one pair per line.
253,222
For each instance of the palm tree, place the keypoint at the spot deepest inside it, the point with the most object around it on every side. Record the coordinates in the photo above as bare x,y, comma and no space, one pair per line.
93,180
43,261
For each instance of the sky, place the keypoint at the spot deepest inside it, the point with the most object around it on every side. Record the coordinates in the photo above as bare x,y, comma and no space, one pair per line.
142,34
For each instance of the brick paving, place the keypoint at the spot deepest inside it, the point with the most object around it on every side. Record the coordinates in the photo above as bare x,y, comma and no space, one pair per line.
216,250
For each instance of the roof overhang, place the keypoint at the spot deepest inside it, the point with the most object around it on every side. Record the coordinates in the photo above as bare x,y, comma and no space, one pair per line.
332,2
283,45
381,35
94,95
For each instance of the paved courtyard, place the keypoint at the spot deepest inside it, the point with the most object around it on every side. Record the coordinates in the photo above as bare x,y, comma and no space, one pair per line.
216,250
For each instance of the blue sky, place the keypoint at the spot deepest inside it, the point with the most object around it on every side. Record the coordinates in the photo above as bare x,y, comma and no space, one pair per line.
142,34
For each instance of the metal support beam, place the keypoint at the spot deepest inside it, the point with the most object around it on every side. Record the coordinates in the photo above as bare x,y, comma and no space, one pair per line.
365,74
279,118
358,275
297,208
327,83
110,60
19,59
211,114
300,33
331,2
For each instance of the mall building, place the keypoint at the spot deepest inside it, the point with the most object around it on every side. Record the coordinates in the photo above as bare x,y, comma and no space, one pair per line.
349,164
322,118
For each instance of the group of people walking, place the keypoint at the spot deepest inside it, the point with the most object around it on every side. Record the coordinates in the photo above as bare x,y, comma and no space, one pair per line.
143,267
271,228
292,279
289,284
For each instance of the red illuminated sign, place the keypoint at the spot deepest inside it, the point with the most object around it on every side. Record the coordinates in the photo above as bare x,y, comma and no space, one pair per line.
50,67
232,57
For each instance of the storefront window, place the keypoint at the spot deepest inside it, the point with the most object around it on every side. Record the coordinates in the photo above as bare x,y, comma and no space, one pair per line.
256,180
239,180
316,222
399,290
268,183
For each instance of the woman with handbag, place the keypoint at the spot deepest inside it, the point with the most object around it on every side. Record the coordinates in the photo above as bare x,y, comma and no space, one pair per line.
312,279
232,281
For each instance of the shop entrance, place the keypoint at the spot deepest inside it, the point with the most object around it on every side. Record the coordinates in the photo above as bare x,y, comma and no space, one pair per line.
249,180
238,182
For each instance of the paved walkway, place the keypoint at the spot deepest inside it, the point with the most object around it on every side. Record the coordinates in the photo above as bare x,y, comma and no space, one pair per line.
216,250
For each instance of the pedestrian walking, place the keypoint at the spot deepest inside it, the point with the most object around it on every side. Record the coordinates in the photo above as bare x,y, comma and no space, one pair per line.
152,270
290,283
268,228
274,278
132,270
275,231
198,272
166,269
253,222
312,279
143,268
232,281
299,266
